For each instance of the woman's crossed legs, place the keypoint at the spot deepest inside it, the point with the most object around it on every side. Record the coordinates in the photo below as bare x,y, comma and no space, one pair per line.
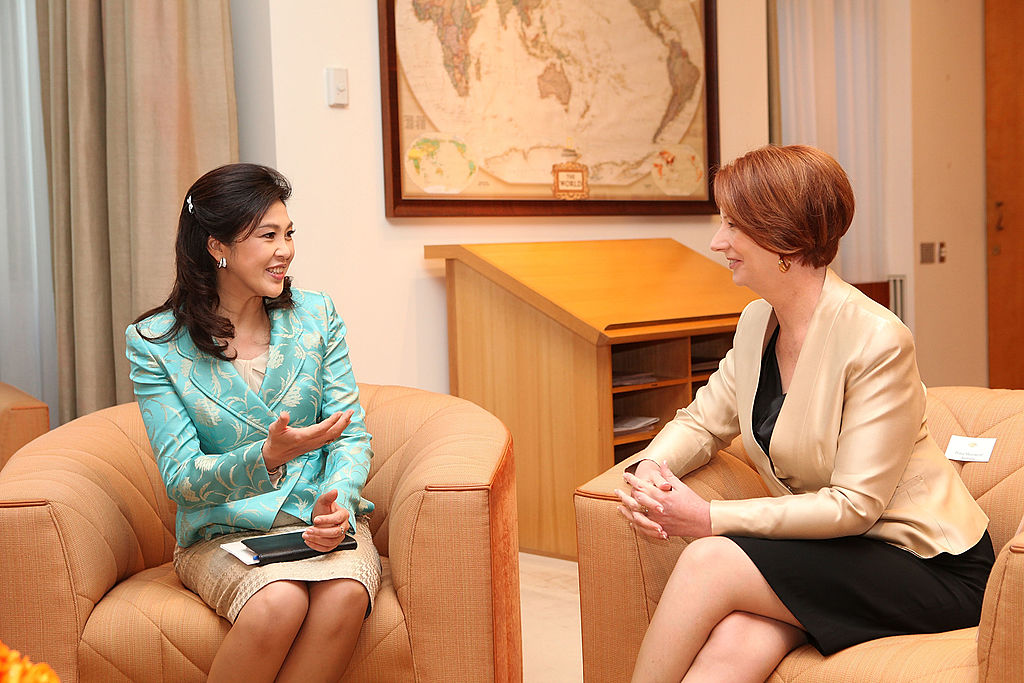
718,619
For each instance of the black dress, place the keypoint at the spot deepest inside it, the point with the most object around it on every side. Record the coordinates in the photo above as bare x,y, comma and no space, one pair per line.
851,589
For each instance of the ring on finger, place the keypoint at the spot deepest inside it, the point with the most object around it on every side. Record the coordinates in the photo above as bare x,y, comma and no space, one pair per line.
644,509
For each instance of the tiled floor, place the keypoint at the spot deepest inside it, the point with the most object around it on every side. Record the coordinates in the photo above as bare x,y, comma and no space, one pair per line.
550,597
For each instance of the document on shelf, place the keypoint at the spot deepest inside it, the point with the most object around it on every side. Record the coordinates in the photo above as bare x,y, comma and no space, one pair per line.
627,380
704,365
628,424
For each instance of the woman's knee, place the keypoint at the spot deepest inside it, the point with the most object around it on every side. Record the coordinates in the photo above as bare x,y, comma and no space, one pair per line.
341,596
707,554
720,567
278,609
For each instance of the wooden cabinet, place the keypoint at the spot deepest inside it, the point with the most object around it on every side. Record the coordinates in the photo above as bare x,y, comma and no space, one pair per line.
543,334
653,379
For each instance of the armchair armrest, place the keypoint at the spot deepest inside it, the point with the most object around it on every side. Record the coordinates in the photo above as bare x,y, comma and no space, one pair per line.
1001,632
70,502
451,533
622,573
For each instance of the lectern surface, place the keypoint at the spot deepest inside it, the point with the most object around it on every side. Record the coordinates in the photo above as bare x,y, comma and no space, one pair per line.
612,284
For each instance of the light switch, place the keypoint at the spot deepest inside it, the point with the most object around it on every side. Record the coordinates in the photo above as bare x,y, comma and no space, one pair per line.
337,86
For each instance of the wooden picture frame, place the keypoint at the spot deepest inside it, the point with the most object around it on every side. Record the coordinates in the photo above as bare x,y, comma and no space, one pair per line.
642,181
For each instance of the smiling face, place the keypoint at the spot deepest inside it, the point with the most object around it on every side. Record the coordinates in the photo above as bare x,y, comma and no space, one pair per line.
257,264
751,264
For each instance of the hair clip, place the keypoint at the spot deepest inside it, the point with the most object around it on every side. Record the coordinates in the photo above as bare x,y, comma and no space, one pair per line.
188,200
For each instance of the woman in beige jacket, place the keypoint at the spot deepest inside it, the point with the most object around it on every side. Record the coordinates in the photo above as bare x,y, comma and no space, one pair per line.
868,531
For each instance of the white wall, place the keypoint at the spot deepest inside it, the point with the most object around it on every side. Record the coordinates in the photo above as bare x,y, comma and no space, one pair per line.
947,100
391,298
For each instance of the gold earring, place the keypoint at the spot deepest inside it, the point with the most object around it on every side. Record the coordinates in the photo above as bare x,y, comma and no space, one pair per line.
783,264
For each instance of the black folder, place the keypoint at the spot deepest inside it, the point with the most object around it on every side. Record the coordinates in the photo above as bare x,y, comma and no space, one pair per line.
288,546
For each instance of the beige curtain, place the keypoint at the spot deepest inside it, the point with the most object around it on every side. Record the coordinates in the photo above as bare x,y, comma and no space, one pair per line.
832,76
138,101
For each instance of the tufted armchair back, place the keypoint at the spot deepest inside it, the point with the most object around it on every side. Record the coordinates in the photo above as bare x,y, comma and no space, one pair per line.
997,484
104,463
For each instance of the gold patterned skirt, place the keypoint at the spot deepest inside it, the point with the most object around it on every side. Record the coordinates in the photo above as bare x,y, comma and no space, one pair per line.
225,583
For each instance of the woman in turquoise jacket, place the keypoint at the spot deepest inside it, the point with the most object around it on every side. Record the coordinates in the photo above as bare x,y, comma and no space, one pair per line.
252,410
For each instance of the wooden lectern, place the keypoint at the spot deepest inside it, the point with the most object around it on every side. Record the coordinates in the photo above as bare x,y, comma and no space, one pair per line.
567,341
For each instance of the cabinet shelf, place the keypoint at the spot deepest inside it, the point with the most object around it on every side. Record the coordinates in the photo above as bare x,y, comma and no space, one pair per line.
702,378
633,437
660,382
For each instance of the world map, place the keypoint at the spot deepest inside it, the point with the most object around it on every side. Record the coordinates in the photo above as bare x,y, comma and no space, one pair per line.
439,163
500,91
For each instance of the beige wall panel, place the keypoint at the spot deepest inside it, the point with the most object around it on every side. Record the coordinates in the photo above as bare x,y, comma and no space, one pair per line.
947,101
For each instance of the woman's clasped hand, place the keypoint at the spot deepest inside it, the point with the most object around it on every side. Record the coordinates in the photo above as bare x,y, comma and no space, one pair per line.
660,505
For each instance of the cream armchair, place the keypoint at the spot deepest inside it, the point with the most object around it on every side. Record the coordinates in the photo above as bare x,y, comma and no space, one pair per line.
622,574
86,531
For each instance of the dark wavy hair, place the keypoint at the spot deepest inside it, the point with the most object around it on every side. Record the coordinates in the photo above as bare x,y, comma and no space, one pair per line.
227,204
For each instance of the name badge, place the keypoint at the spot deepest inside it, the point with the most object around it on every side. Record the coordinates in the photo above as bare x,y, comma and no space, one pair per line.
970,448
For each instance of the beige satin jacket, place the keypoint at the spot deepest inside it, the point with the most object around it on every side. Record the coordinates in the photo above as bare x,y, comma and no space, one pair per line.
851,453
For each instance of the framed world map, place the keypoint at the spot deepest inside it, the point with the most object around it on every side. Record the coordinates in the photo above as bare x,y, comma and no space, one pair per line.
548,107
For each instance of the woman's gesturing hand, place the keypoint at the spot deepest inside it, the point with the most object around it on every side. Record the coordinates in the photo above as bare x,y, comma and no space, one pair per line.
284,443
662,512
330,522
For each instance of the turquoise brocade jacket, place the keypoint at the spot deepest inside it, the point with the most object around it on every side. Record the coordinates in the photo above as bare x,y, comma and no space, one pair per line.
207,427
